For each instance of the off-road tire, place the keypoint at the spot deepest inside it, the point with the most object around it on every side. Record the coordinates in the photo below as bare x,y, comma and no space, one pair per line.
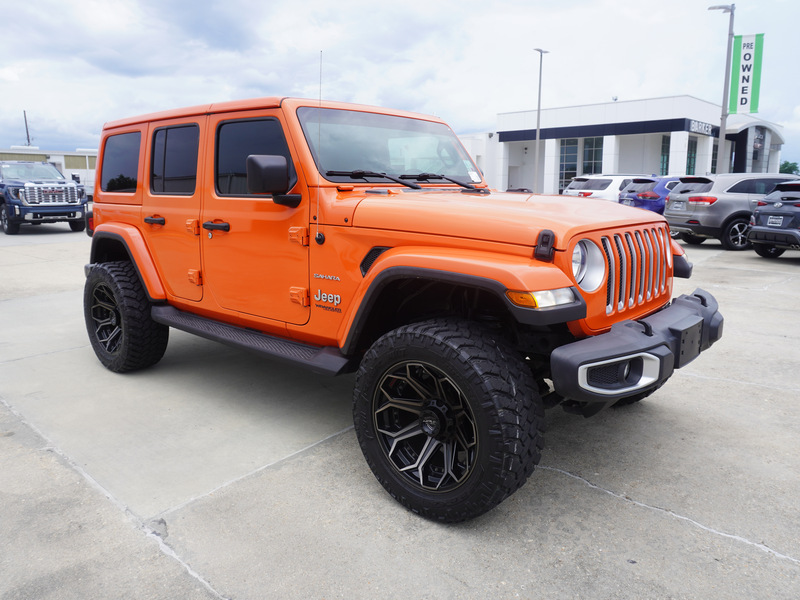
77,225
461,391
694,240
768,251
117,314
734,235
9,227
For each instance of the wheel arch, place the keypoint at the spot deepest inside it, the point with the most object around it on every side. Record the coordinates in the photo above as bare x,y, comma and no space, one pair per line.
405,287
734,217
114,242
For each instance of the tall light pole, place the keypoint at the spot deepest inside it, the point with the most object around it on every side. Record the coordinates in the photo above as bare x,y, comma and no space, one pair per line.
722,162
538,122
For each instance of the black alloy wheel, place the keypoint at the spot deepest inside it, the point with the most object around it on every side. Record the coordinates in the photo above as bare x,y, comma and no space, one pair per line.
448,417
117,314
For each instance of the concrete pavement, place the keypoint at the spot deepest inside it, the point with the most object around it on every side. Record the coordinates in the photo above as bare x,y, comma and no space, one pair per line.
217,474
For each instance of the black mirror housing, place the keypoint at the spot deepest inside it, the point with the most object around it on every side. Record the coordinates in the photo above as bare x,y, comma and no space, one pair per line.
267,174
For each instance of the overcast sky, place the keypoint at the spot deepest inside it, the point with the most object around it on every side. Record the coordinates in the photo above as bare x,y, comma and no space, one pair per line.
72,66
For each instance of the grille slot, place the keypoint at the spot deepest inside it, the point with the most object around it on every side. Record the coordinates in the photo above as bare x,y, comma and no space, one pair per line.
637,262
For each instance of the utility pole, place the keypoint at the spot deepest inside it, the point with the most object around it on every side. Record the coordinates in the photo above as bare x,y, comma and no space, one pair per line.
538,122
723,161
27,133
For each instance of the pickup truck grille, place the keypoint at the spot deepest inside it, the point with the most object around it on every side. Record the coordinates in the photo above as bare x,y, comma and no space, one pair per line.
50,194
638,261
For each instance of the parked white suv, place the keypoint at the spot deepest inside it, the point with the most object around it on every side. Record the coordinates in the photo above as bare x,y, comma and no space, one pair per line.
602,187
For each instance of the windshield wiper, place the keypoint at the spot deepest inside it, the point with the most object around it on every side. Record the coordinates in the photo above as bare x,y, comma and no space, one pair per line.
358,174
429,176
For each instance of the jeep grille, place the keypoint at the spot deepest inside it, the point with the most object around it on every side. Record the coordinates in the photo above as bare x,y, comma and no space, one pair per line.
638,262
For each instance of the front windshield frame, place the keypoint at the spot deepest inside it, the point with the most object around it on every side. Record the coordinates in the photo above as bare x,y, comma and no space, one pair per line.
345,141
24,171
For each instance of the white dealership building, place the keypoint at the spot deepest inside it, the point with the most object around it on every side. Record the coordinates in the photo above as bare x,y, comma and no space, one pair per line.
675,135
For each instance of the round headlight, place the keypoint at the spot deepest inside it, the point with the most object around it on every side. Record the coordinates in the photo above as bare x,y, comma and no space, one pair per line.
579,261
588,265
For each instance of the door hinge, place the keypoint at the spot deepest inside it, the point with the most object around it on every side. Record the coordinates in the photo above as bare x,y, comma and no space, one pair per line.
195,276
193,226
299,235
300,296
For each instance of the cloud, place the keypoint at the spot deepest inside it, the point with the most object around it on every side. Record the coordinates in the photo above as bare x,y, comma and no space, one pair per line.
82,65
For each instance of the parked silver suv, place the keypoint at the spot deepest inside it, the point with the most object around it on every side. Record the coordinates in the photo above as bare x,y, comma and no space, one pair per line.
718,206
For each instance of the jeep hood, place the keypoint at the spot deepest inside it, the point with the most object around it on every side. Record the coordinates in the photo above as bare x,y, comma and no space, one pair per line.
510,218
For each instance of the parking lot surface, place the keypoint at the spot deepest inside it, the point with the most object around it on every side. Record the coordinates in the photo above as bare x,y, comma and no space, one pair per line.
217,474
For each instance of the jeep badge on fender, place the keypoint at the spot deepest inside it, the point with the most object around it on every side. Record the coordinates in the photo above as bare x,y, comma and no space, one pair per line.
465,312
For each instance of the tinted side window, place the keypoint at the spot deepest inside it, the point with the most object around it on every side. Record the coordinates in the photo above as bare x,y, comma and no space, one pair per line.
236,140
121,163
746,186
174,166
765,186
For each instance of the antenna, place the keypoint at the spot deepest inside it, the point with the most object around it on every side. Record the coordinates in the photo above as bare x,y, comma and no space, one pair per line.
319,237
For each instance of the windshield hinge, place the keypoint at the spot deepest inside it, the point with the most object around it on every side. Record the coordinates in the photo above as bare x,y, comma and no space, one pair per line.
300,295
195,276
299,235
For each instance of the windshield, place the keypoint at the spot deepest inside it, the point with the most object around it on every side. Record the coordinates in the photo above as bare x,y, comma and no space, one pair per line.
30,171
639,186
693,187
589,184
346,141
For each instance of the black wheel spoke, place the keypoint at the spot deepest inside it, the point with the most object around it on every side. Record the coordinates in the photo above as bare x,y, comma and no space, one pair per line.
426,429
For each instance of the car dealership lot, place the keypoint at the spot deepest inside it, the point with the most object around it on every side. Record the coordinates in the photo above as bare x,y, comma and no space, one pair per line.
219,474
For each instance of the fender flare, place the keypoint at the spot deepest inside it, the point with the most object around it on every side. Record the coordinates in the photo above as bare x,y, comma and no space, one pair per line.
492,273
132,241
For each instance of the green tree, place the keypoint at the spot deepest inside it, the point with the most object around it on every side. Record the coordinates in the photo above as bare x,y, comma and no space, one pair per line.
790,167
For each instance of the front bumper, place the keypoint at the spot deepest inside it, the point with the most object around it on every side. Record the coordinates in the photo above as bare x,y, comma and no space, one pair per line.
635,357
48,214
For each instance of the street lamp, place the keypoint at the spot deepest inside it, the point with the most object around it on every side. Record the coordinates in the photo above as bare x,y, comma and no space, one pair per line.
722,164
538,121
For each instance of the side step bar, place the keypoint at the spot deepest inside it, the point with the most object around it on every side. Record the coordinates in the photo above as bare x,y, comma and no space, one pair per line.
325,360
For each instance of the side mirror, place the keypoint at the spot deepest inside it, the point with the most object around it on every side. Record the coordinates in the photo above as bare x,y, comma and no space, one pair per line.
76,178
269,174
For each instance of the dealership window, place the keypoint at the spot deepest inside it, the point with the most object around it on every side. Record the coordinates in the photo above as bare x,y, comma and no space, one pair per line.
691,156
592,155
174,168
664,155
714,154
568,167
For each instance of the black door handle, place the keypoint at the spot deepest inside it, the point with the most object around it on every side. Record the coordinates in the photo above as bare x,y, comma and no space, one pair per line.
210,225
155,220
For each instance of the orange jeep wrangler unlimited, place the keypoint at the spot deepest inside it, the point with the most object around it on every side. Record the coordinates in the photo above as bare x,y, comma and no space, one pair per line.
343,238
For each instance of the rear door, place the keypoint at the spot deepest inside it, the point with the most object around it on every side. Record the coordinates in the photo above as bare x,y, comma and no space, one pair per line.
171,204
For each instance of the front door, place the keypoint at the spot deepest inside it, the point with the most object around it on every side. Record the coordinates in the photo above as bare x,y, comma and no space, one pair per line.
255,256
